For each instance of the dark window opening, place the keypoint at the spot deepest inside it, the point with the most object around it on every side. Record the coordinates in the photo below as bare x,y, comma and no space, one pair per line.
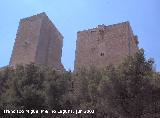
102,54
72,85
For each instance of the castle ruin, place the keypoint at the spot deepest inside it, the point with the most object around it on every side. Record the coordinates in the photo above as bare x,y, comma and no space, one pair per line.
37,41
104,45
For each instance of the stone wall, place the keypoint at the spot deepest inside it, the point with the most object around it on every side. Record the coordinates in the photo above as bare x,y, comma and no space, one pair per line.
37,41
104,45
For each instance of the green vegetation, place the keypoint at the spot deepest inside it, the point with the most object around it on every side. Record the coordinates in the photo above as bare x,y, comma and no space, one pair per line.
126,91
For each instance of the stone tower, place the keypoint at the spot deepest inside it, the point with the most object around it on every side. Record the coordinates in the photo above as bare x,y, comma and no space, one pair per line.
37,41
104,45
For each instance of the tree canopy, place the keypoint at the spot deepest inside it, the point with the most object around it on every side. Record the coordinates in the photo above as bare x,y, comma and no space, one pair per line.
127,91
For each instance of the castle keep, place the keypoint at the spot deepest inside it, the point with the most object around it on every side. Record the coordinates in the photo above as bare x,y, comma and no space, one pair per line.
104,45
37,41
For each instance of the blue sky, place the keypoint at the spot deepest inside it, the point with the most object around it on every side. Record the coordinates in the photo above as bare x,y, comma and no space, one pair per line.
71,16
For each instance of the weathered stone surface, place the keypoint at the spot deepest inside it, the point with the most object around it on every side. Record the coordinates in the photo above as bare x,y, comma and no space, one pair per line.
104,45
37,41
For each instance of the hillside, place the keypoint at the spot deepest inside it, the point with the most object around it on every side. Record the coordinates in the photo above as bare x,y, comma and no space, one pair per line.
130,90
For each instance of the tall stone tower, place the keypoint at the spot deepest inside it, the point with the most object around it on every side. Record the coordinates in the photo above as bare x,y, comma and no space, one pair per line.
37,41
104,45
